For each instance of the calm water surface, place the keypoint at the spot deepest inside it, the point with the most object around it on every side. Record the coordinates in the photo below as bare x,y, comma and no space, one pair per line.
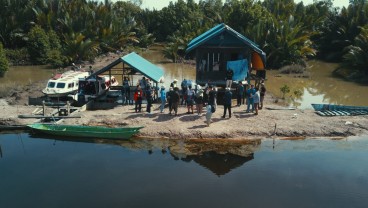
20,75
44,172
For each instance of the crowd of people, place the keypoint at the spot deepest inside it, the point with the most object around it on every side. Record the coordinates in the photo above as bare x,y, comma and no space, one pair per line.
195,98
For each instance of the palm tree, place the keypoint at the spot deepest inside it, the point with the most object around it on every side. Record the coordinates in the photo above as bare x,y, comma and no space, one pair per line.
356,56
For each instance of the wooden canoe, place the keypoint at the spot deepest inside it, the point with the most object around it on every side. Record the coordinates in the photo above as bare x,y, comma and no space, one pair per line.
86,131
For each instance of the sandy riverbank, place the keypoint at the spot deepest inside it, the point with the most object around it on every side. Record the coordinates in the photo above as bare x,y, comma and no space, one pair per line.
282,123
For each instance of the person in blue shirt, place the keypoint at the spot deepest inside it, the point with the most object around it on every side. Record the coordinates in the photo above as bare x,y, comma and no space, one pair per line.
250,92
163,98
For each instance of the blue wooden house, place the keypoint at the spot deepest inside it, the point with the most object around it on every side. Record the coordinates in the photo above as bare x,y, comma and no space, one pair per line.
222,48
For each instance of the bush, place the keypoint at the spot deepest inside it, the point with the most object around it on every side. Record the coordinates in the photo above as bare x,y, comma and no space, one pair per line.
56,59
284,90
4,65
17,56
38,45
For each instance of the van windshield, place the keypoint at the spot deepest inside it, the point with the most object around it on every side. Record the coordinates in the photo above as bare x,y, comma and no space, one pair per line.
51,85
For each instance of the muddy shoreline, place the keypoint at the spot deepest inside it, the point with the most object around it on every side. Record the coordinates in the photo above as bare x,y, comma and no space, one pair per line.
242,125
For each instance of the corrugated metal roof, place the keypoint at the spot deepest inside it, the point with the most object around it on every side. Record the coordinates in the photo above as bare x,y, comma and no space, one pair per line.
217,30
139,64
145,67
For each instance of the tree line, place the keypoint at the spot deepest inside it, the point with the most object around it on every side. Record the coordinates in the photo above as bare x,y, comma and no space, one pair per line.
59,32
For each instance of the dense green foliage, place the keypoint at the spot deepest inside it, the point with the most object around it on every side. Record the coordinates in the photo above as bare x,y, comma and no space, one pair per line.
4,66
288,32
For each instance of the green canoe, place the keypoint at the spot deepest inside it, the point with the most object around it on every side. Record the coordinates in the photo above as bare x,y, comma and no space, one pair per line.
86,131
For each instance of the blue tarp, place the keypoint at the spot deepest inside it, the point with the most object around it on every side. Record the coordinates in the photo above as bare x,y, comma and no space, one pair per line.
240,69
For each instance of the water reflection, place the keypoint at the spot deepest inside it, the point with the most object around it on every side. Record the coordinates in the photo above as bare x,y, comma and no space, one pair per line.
320,87
220,156
219,164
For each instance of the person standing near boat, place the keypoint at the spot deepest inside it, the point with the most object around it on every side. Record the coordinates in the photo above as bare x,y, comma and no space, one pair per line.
149,98
163,98
143,84
126,89
138,99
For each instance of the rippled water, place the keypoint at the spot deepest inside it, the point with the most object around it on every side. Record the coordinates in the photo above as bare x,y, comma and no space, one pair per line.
49,172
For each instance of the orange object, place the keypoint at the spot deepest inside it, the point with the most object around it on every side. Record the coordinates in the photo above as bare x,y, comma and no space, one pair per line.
257,62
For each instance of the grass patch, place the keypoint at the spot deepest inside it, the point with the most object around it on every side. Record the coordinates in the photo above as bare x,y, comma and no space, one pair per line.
8,88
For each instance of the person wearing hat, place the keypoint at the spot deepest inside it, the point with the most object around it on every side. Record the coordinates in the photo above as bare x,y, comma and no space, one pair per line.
199,100
211,107
227,102
174,83
175,100
190,99
163,98
170,98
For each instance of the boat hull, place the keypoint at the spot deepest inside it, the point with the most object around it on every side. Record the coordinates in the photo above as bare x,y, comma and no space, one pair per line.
59,95
86,131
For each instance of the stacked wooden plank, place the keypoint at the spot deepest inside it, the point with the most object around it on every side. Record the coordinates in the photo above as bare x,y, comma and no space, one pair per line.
339,110
341,113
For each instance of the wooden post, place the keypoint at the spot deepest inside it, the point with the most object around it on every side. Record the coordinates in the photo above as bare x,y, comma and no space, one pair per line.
43,108
67,108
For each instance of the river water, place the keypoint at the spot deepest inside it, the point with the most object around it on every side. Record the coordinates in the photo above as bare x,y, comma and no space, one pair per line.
52,172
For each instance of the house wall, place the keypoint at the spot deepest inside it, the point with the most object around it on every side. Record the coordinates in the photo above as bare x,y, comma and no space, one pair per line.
211,63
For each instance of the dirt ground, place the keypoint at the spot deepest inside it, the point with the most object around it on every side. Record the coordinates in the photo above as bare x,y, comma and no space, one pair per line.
242,125
280,123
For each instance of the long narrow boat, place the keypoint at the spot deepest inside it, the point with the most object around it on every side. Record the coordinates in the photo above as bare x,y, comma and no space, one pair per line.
86,131
339,110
